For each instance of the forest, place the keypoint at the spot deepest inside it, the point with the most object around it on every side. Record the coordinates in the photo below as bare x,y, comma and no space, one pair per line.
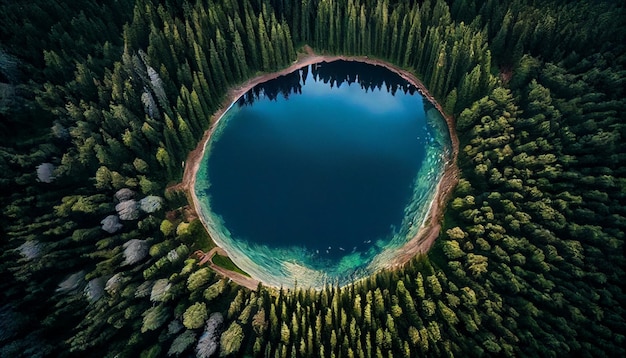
101,102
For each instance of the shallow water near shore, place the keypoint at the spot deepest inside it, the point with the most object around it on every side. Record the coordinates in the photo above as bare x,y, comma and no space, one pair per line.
316,176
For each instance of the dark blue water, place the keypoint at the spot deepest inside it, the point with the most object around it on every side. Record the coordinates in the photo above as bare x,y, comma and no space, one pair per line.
324,158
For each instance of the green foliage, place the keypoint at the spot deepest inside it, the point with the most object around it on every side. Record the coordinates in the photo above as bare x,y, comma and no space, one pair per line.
167,228
199,236
195,315
182,343
152,352
215,290
530,260
154,318
230,342
182,230
227,263
198,279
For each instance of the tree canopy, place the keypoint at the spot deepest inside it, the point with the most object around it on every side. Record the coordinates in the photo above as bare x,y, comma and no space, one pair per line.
102,101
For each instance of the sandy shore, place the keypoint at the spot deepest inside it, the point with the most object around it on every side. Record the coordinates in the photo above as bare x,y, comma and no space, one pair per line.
427,234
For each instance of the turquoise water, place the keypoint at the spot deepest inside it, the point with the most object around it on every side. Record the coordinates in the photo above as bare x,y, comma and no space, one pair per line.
320,175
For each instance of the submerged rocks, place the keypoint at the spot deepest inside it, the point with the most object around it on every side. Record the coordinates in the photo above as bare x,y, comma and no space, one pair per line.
60,132
209,341
124,194
135,251
95,289
172,255
111,224
113,283
128,210
45,172
30,249
151,203
72,283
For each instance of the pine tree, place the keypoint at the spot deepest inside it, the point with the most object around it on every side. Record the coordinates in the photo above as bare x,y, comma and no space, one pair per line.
239,57
351,30
223,51
266,58
217,71
187,138
413,36
365,37
277,44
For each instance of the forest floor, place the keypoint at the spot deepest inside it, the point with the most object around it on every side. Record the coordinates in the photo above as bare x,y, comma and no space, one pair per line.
427,234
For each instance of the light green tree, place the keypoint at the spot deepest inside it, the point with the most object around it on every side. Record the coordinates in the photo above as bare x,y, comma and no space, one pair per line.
231,339
198,279
154,318
195,315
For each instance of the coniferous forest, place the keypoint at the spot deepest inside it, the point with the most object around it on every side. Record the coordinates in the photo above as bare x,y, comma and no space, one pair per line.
101,102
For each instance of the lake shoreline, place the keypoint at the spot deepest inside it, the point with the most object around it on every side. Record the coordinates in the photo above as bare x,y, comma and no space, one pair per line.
431,228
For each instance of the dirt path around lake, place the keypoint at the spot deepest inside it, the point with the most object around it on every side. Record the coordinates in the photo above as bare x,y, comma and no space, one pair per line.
431,228
238,278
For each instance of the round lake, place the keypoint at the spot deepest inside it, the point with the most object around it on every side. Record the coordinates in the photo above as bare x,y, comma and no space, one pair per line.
318,176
